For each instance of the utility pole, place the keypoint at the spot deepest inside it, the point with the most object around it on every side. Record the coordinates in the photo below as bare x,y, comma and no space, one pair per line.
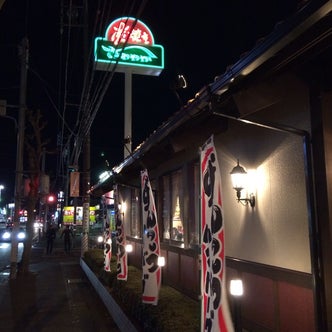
77,20
86,150
24,56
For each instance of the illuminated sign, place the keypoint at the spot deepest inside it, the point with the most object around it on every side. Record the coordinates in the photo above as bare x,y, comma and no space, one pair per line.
129,44
68,215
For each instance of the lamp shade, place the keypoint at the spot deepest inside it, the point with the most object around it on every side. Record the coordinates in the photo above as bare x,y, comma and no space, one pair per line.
239,177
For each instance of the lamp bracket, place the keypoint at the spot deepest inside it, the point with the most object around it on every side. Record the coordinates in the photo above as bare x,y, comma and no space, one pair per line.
245,201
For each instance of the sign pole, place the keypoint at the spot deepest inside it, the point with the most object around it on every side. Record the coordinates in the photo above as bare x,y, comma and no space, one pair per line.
129,44
128,114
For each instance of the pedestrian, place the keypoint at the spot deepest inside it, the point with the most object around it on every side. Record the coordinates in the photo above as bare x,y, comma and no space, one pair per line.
67,234
50,237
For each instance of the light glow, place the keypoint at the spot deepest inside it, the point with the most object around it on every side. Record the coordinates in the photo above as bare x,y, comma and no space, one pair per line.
104,176
21,235
6,235
129,248
236,287
161,261
122,207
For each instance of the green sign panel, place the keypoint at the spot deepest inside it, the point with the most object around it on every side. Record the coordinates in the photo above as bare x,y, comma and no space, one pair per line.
129,55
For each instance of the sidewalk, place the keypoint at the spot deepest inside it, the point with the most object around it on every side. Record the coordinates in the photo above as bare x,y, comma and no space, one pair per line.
56,297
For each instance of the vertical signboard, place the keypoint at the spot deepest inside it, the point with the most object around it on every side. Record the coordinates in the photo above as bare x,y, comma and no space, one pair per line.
121,254
74,184
107,250
215,310
151,244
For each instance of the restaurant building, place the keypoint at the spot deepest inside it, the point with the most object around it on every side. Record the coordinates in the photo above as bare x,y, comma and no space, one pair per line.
271,113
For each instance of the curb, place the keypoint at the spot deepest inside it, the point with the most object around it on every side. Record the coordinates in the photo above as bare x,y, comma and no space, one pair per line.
121,320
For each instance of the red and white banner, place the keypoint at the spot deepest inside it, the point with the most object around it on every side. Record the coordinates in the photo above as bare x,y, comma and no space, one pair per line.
121,254
215,310
151,245
107,251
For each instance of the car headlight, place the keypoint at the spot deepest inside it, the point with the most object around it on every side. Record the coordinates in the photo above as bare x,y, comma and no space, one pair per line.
21,235
6,235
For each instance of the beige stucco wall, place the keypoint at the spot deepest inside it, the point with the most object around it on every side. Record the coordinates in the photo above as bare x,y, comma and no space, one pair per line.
275,232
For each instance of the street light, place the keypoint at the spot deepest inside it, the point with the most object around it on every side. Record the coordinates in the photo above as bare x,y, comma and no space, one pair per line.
1,188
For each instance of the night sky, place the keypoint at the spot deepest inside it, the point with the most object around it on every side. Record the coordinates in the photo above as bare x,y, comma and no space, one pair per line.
200,39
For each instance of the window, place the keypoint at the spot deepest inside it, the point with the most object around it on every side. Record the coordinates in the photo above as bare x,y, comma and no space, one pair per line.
136,225
172,206
166,204
194,205
179,215
177,219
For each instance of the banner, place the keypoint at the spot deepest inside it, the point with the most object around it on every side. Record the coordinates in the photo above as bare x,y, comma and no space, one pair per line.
121,254
107,250
215,310
151,245
74,184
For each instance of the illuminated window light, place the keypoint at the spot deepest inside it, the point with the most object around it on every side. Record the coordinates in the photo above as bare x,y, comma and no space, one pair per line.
122,207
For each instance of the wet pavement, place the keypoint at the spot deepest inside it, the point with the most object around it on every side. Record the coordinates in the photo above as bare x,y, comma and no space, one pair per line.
56,296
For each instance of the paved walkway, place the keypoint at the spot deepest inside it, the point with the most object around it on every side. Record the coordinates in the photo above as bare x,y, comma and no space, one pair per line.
56,297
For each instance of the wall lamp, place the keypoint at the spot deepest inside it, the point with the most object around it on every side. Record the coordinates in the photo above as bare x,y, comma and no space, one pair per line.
239,179
236,290
161,261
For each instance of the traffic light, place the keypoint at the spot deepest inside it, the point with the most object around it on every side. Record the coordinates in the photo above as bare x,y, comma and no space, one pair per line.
51,199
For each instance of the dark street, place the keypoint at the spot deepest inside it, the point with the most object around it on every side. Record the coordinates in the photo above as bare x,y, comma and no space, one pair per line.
55,296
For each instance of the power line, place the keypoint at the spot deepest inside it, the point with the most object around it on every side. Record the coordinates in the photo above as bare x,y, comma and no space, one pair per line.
94,87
